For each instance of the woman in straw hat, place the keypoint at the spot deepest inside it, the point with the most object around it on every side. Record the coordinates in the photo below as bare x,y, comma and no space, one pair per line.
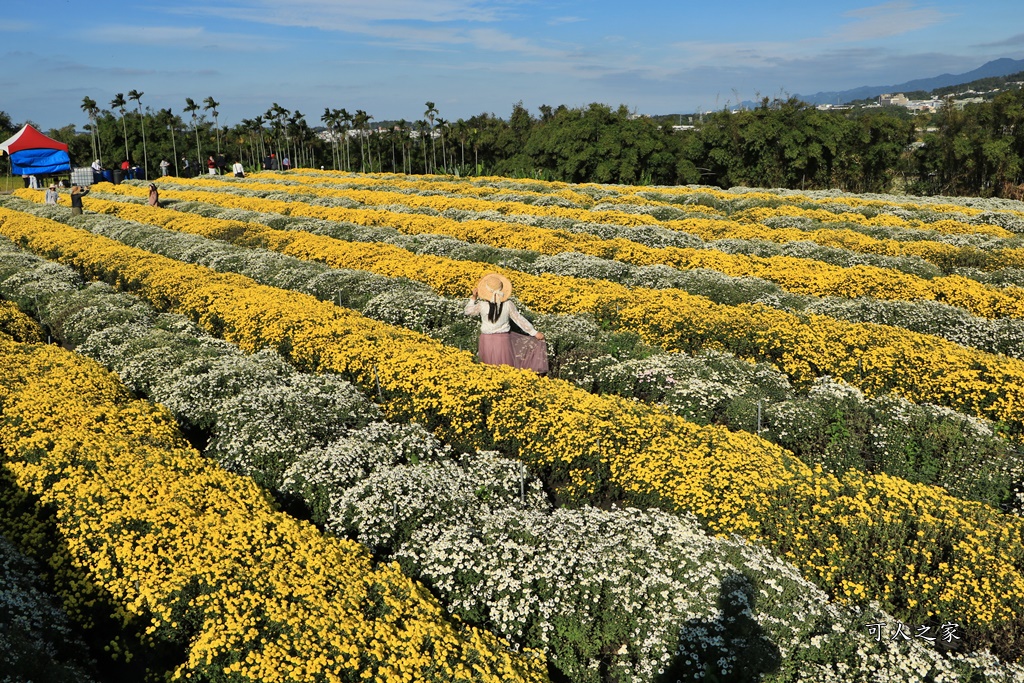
498,345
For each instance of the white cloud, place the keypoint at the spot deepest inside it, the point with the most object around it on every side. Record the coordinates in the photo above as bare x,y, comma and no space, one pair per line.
351,15
886,20
1012,41
173,36
558,21
17,26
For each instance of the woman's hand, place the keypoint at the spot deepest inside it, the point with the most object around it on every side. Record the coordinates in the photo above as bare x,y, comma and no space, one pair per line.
540,336
475,293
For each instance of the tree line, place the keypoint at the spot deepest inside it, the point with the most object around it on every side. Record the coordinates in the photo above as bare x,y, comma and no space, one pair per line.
975,150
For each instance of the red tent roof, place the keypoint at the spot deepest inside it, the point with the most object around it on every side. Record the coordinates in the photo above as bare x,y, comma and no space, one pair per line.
30,138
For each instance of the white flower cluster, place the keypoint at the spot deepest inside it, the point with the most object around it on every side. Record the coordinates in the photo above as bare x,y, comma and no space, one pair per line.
1001,335
37,641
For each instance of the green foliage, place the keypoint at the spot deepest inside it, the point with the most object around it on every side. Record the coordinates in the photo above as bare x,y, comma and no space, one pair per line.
779,143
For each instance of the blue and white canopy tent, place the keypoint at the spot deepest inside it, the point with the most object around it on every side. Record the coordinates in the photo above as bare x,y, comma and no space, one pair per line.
33,153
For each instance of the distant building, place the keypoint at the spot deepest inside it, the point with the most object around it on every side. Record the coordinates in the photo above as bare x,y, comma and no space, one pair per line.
959,104
895,100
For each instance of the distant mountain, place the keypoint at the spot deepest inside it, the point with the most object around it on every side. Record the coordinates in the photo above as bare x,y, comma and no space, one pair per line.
995,68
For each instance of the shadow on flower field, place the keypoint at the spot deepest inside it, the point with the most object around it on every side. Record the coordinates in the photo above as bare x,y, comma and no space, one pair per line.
79,639
732,647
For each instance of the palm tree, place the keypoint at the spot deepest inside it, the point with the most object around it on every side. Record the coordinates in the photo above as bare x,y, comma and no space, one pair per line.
295,128
361,119
137,97
208,105
442,125
248,128
421,128
119,103
332,119
276,116
90,107
191,108
391,135
346,122
474,139
461,132
403,131
429,114
257,124
165,117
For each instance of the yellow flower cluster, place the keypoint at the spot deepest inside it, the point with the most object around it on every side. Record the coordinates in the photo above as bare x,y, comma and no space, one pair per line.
876,358
170,537
942,255
745,224
427,184
432,201
786,204
801,276
763,213
737,483
776,198
16,324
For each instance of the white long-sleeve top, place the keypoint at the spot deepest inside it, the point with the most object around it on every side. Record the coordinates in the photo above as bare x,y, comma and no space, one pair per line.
508,311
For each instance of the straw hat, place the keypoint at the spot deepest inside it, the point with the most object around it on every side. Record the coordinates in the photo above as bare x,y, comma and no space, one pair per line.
494,287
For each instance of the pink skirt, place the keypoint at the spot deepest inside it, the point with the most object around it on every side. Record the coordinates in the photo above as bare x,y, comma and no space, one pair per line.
518,350
496,349
530,353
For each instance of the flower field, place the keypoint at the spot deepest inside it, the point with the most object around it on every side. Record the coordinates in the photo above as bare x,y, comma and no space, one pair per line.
781,438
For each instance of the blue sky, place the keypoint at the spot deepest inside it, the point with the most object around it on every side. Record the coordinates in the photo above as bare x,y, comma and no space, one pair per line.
389,57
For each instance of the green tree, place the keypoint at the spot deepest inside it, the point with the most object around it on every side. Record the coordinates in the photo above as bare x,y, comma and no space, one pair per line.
191,108
430,113
119,103
210,105
331,119
91,109
136,96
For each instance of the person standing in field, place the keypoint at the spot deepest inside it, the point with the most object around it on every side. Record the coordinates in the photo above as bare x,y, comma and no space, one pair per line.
499,345
238,169
77,192
51,194
154,195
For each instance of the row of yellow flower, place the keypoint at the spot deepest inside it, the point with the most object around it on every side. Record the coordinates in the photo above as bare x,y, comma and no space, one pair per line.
16,324
651,196
802,276
945,226
641,196
875,358
437,202
827,203
471,187
170,537
442,202
745,224
862,536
